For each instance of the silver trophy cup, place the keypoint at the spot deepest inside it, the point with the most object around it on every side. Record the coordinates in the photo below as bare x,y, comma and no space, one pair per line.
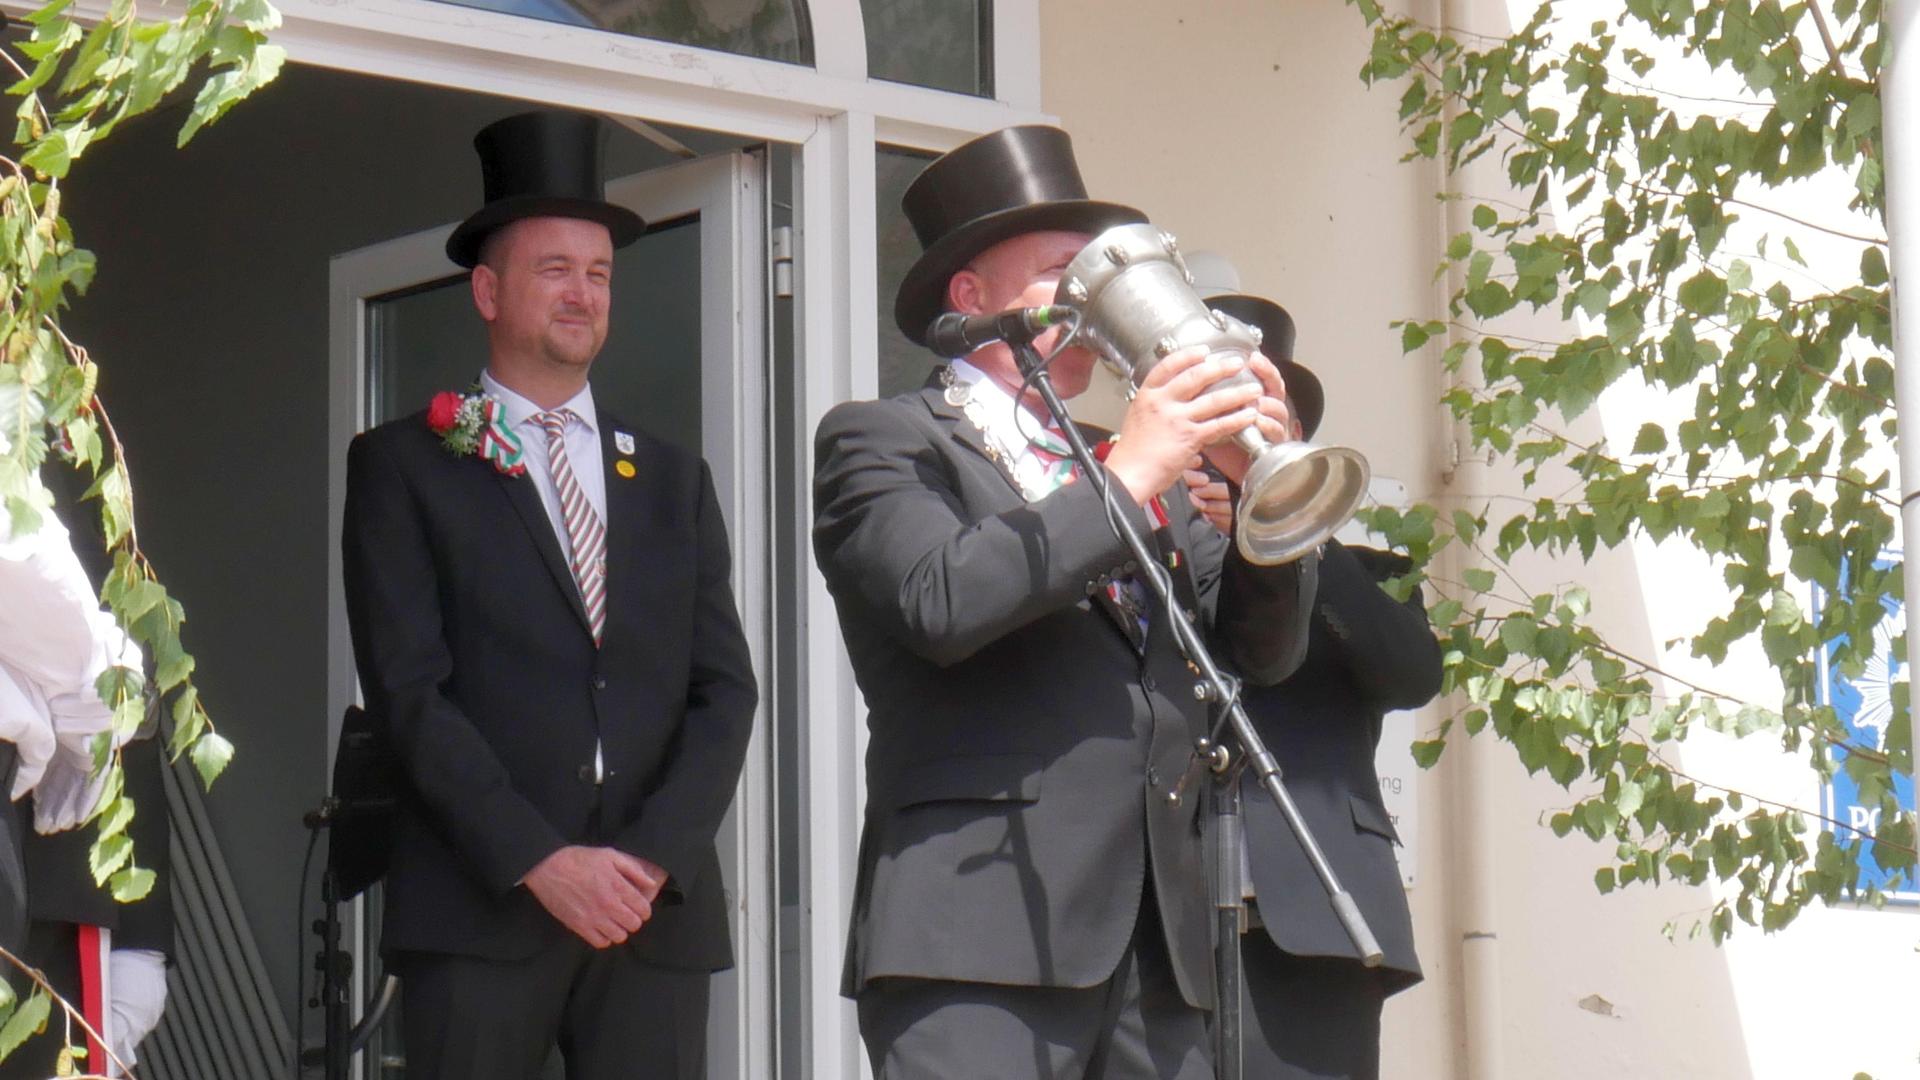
1137,307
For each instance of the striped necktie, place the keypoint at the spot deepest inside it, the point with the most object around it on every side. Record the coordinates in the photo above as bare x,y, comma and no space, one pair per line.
585,534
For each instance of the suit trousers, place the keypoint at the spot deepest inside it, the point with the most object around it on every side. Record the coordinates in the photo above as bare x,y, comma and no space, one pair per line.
1307,1017
1133,1026
613,1016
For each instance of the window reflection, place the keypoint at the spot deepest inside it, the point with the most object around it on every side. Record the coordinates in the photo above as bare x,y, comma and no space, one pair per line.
767,29
941,44
903,365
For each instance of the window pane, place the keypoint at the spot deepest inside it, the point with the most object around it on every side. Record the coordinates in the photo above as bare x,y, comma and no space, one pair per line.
903,365
942,44
768,29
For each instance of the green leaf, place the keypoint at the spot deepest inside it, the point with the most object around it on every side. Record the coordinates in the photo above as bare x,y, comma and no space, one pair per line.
1873,267
253,14
1592,298
132,883
116,816
211,752
1632,796
1705,293
1863,115
224,91
1603,880
118,685
108,854
188,721
1652,439
28,1020
1518,633
1478,579
1426,754
50,156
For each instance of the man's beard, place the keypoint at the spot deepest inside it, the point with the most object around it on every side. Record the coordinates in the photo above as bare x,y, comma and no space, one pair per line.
567,354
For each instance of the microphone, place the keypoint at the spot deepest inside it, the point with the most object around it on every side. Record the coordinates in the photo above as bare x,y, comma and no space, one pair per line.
954,334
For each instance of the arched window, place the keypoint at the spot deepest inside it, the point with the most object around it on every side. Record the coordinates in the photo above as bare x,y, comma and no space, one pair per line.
766,29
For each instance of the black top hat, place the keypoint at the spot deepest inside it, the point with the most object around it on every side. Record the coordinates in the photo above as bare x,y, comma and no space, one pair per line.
998,186
1309,401
540,164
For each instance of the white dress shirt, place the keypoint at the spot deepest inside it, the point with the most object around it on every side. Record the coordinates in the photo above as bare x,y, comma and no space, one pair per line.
582,438
55,641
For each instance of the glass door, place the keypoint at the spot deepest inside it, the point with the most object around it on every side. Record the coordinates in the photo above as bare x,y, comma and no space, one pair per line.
685,360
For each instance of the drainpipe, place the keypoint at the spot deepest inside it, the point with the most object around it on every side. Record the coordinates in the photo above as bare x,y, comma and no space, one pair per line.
1475,760
1900,120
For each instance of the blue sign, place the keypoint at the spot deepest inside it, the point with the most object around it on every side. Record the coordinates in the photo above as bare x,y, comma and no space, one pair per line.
1865,706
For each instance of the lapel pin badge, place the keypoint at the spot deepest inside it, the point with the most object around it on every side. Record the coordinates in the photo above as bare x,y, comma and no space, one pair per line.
623,442
624,468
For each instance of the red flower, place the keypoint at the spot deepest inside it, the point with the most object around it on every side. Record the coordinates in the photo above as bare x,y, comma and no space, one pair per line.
1101,450
443,412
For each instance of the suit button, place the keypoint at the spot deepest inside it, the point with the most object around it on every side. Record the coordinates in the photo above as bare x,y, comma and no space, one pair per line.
1153,776
599,682
585,773
1148,683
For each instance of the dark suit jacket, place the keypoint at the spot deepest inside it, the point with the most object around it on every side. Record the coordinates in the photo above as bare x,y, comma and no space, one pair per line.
1021,749
1367,654
473,646
60,887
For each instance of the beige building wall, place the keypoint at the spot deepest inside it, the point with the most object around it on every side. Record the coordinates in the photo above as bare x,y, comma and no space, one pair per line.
1243,128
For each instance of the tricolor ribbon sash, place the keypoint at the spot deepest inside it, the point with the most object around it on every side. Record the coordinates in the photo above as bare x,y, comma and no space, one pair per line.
498,442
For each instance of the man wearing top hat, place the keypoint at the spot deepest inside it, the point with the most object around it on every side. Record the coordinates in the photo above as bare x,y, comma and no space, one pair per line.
1031,900
1312,1009
542,619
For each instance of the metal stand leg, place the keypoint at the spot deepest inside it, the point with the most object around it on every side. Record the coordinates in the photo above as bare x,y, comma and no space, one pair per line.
336,969
1230,916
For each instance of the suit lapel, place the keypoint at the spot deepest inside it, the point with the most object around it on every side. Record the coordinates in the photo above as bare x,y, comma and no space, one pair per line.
526,503
967,434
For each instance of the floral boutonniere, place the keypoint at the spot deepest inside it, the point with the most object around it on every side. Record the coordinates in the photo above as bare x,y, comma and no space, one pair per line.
474,424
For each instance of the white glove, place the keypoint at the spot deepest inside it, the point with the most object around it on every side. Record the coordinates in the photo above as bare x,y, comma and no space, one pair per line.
139,981
67,793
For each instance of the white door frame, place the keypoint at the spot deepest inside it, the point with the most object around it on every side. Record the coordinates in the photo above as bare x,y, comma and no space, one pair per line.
727,192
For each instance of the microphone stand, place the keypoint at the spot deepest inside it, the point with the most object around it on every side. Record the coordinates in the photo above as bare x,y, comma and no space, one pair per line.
342,1038
335,965
1222,693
